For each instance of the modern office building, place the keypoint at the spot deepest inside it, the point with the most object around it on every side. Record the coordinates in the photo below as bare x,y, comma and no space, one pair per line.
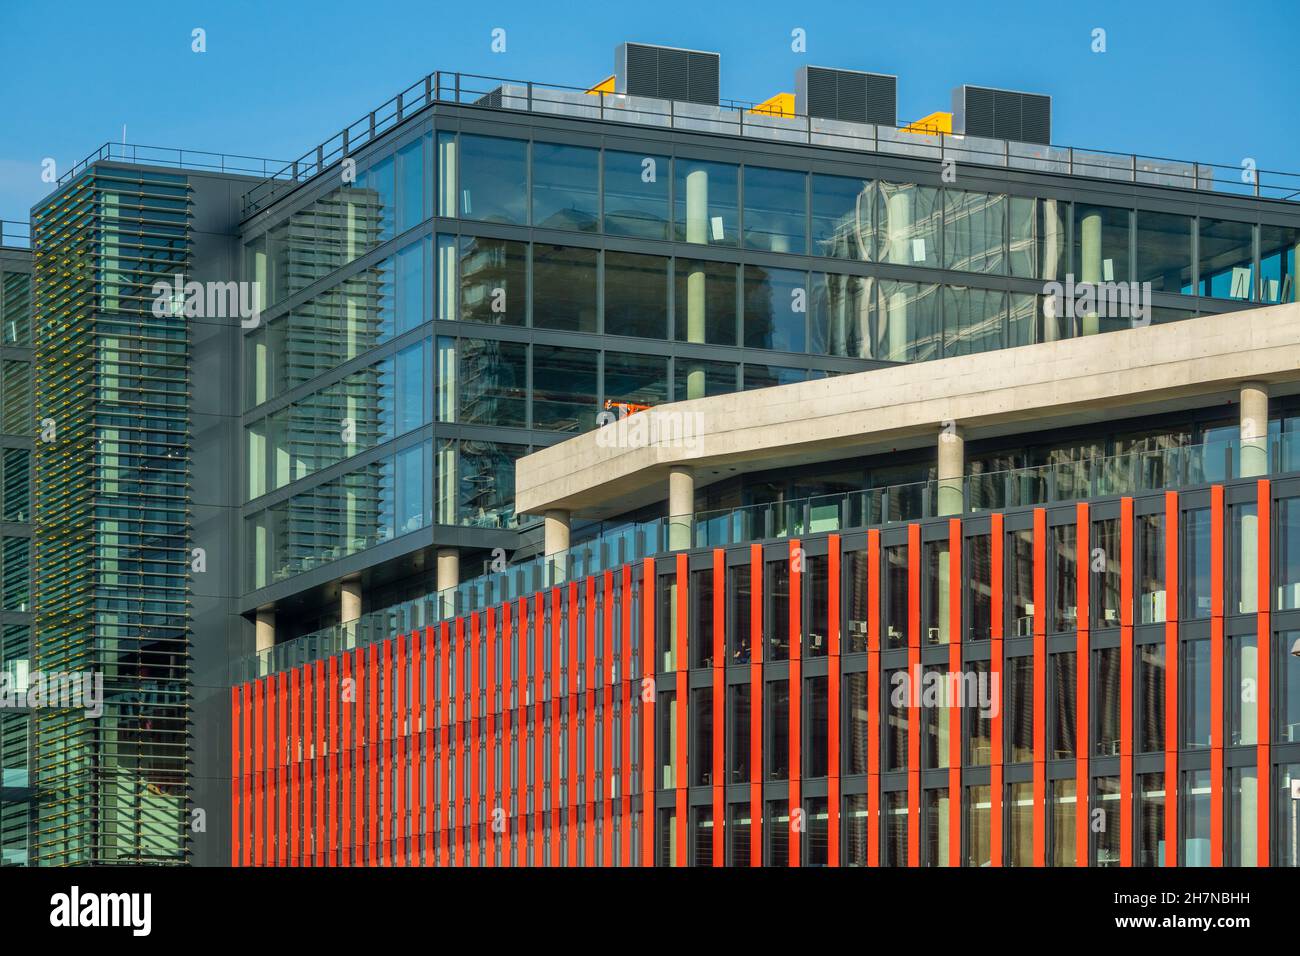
282,531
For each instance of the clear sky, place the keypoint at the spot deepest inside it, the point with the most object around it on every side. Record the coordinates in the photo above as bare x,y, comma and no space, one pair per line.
1210,80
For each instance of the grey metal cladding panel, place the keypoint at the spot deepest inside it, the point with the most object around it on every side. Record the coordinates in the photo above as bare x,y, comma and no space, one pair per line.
642,70
1006,115
979,112
703,78
674,77
823,93
882,100
1036,118
852,107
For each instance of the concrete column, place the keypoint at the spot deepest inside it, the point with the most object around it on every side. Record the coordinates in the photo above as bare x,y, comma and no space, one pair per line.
350,600
1254,429
681,506
1090,267
951,470
265,629
557,541
697,230
448,579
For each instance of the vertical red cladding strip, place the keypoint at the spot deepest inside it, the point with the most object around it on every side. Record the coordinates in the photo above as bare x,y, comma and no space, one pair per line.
358,796
295,764
1126,664
649,671
387,713
332,784
308,768
347,704
625,724
259,776
398,775
794,623
1040,686
412,732
681,778
913,709
1216,675
491,801
474,715
833,700
372,757
272,777
246,801
462,726
756,705
996,613
522,696
873,697
236,775
955,800
539,728
589,691
1082,666
322,784
574,797
557,724
1263,670
282,771
1171,678
430,752
444,744
606,794
719,703
506,732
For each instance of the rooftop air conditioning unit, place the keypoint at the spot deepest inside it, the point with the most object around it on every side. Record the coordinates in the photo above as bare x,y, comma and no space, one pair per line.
667,73
1002,114
850,96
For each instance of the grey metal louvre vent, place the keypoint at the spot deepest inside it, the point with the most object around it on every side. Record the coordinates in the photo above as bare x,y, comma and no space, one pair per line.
667,73
848,95
1002,114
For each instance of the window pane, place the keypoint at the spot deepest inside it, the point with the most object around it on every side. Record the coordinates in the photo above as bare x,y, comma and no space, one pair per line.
975,232
636,195
775,207
564,288
1100,244
493,179
565,187
705,301
493,277
564,389
1196,573
705,205
699,378
972,320
410,182
841,315
841,217
907,322
639,379
1038,229
494,383
1151,698
1164,251
907,218
1288,529
775,309
766,376
1227,270
1278,246
1194,681
636,295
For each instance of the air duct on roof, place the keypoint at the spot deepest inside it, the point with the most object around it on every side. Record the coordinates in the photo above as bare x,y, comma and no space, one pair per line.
1002,114
667,73
848,95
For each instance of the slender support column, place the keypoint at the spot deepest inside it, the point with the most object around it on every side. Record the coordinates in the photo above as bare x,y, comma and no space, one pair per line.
899,208
1254,429
1090,267
265,629
697,230
350,609
951,470
448,578
557,541
681,506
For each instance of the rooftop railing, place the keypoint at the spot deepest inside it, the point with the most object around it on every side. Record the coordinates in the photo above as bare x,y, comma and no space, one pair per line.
179,158
15,234
734,118
1126,474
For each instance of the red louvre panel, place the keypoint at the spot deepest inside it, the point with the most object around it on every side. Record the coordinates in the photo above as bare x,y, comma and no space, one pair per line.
461,727
332,767
281,772
347,704
444,745
1040,686
833,701
1171,678
1082,661
955,800
681,777
387,713
295,765
607,711
719,704
491,800
649,683
625,725
509,704
399,758
414,709
372,731
571,730
430,753
1126,525
557,725
319,701
272,777
589,691
522,696
794,623
259,778
756,705
474,723
308,768
913,710
1263,670
1216,676
873,697
539,730
358,796
996,611
246,836
236,775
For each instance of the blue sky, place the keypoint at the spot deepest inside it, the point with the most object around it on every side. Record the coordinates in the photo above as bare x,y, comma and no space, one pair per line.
1211,81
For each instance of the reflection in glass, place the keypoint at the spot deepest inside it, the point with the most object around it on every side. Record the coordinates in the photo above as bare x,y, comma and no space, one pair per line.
841,217
564,288
775,309
841,315
705,207
975,232
1164,251
636,195
704,300
1227,259
636,295
565,187
775,208
493,179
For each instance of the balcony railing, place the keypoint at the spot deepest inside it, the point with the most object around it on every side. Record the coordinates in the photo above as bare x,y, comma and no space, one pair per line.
180,158
15,234
731,118
1128,474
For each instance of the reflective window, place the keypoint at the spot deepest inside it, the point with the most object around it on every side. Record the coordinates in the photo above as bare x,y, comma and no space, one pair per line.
972,320
412,200
409,306
486,483
766,376
1038,231
493,281
564,288
705,205
1101,235
564,389
1196,565
1151,820
15,296
775,309
841,217
639,379
636,295
1019,698
565,187
1242,843
636,195
493,179
491,379
1062,703
1065,577
907,321
737,729
1164,251
1106,702
841,315
1064,800
1285,652
704,302
1194,684
1150,714
975,232
1197,813
907,224
700,378
775,208
1288,572
1277,263
1227,259
1151,568
858,709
